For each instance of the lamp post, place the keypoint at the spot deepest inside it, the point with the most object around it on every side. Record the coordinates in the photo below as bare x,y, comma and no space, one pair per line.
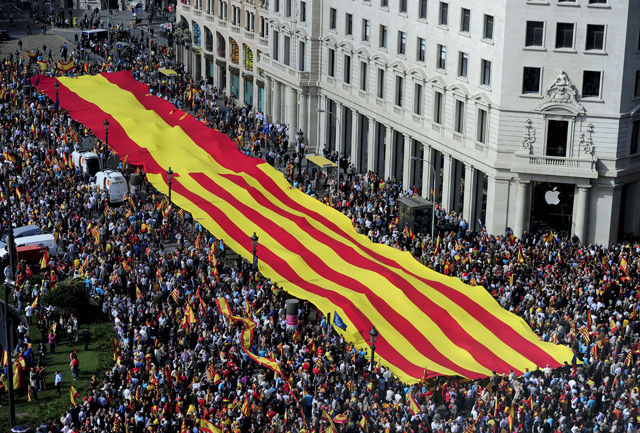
433,197
57,86
339,134
7,322
373,337
169,177
106,132
254,243
300,136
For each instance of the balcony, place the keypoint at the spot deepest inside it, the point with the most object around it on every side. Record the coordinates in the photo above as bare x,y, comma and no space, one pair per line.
235,29
249,35
286,73
197,12
584,167
184,7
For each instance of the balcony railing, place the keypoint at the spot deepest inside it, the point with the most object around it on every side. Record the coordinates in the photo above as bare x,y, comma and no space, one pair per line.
556,165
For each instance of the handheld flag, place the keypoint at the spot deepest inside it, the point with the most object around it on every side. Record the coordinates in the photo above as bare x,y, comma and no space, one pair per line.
73,394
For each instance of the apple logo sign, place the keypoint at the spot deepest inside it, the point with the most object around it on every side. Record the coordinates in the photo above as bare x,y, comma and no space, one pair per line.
552,196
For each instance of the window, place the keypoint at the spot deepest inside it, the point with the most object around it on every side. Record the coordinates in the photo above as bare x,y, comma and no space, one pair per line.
422,11
380,92
486,73
601,2
363,76
399,90
465,20
403,6
331,66
535,34
384,3
287,8
332,18
383,36
442,57
462,64
348,30
275,45
420,55
595,37
276,6
564,35
444,14
347,69
402,43
482,126
635,132
557,137
591,84
531,80
488,27
459,120
417,99
636,87
301,54
437,107
365,30
287,50
263,27
303,12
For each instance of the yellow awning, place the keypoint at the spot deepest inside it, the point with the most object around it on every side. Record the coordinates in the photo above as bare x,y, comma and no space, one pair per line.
321,161
168,72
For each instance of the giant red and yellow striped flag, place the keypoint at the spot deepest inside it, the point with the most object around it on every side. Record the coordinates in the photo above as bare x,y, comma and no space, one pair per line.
306,247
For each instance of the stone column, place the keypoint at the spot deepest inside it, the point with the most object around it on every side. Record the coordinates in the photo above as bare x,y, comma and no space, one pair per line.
522,197
293,115
322,124
355,145
407,164
389,153
276,111
469,206
371,144
267,99
447,184
339,145
582,199
497,205
303,120
427,173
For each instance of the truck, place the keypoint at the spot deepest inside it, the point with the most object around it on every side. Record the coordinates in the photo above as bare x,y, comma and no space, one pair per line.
88,162
114,183
416,214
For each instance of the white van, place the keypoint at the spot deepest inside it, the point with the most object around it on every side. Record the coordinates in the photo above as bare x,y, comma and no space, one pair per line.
20,232
114,183
88,162
48,241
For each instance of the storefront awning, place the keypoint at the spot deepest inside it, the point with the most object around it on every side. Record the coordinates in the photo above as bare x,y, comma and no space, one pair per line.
321,161
168,72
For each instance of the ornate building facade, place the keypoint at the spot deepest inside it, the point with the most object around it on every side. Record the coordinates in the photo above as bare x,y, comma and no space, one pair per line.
521,114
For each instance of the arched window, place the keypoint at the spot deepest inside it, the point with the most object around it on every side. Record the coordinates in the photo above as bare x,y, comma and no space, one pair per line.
222,45
235,52
196,34
248,58
208,39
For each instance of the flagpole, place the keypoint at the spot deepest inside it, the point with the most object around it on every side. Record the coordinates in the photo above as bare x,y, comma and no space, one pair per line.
7,322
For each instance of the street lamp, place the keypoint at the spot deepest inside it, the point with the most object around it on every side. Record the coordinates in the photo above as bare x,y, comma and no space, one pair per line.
57,86
169,177
373,337
433,197
319,110
300,136
254,243
10,248
106,132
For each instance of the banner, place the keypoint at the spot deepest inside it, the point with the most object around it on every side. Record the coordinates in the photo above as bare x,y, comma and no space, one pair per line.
311,250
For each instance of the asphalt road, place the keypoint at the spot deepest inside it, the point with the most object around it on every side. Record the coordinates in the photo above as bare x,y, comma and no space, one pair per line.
56,36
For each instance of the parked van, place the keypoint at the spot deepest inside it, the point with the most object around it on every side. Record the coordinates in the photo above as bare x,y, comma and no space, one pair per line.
48,241
20,232
88,162
114,183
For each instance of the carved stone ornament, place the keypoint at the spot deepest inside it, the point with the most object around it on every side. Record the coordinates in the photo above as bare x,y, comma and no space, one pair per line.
586,141
562,93
529,136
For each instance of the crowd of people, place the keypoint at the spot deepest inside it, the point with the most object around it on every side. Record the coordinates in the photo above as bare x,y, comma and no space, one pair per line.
180,363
